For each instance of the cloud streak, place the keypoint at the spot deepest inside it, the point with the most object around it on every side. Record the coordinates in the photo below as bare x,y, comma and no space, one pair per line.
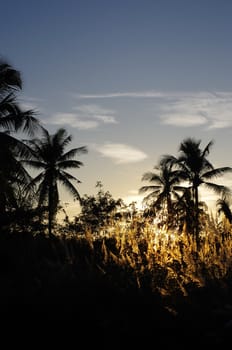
183,120
213,110
84,117
142,94
73,120
121,153
151,94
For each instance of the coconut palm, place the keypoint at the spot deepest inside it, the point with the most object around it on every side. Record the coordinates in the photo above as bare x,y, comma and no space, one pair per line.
12,116
12,119
165,184
12,174
48,154
198,170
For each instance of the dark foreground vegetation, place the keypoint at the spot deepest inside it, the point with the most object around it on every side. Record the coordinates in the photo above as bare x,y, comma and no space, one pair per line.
116,289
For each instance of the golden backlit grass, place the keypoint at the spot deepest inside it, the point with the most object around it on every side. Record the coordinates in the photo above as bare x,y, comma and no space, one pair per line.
144,255
135,265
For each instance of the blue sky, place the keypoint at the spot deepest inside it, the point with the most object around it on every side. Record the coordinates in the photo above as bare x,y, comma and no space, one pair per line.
128,79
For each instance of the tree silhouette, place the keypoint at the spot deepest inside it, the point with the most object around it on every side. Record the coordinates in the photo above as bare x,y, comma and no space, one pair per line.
98,211
47,153
164,186
223,207
12,119
198,170
12,174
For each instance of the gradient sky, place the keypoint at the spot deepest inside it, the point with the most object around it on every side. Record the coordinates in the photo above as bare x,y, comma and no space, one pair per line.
129,79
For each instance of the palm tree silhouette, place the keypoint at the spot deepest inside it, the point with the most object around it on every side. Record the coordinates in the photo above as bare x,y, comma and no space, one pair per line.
12,119
198,170
47,153
164,185
12,174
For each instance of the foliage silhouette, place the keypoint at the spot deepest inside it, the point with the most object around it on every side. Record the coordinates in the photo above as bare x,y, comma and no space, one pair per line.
12,119
192,168
98,211
165,187
48,153
223,207
198,170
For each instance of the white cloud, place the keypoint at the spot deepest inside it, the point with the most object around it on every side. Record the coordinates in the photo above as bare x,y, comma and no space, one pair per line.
73,120
183,120
214,110
220,124
153,94
184,109
106,119
139,94
121,153
93,111
85,117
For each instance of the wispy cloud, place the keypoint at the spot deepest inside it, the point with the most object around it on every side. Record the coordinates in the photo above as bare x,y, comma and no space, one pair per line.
183,109
97,112
183,120
121,153
148,94
84,117
71,119
31,103
214,110
139,94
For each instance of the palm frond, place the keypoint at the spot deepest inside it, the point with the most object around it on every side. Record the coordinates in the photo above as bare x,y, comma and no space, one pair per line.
10,78
218,189
206,150
69,176
217,172
73,153
69,186
155,189
34,164
151,177
223,206
66,164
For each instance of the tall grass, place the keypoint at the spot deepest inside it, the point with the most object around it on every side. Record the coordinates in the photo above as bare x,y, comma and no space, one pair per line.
118,273
147,256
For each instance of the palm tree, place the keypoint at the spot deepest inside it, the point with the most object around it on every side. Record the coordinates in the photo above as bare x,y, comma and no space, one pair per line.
12,119
197,170
47,153
12,174
224,207
164,185
184,211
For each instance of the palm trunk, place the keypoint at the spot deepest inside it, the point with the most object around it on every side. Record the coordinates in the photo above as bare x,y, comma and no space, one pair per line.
50,212
196,209
169,209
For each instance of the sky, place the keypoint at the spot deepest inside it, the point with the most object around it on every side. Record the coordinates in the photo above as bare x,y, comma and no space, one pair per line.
129,79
